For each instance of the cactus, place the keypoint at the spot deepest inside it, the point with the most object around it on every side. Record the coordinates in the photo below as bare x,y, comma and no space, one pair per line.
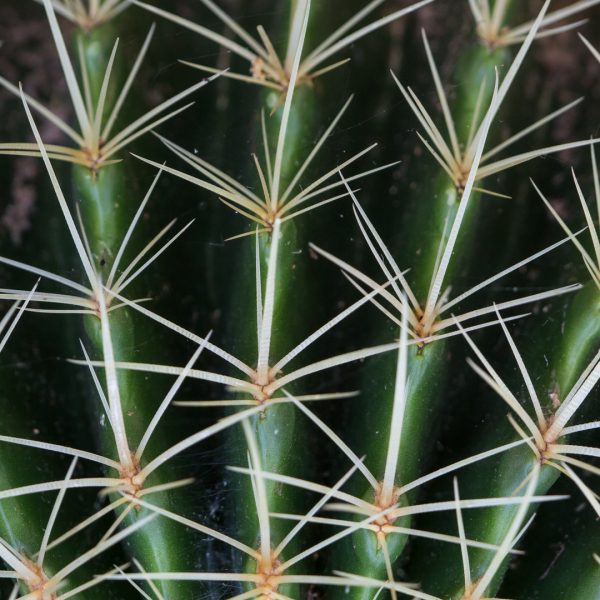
315,387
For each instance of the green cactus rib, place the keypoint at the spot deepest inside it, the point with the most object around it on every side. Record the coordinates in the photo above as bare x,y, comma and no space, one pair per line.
422,399
281,258
568,356
511,470
371,553
277,429
34,516
569,373
105,198
106,225
261,325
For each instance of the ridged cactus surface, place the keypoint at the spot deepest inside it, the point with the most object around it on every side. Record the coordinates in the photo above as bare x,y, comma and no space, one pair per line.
300,299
